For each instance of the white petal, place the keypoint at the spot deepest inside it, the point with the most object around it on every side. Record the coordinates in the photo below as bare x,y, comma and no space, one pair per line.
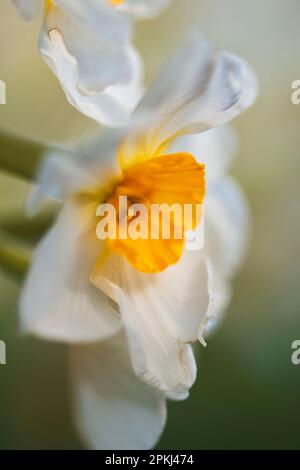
161,313
196,91
111,98
58,302
221,297
58,177
26,8
64,172
215,148
227,226
181,294
95,35
98,16
144,8
226,242
113,408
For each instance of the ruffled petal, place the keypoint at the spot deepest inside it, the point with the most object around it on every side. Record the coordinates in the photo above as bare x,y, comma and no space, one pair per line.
113,408
88,47
95,36
196,91
112,104
161,314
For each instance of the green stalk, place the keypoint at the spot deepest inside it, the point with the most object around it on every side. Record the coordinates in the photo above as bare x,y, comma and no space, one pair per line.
15,256
19,156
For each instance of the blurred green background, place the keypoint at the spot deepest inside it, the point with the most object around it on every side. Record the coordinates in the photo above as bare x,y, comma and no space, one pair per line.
247,393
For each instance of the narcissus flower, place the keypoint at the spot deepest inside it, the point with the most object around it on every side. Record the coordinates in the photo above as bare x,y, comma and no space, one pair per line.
88,45
140,303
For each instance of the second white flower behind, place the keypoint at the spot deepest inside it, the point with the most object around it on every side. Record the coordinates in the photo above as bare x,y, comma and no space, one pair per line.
88,46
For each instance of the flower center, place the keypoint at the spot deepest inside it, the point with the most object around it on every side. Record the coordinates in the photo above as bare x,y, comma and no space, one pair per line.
152,206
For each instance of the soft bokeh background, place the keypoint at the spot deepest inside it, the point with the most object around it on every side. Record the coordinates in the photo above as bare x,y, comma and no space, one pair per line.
247,393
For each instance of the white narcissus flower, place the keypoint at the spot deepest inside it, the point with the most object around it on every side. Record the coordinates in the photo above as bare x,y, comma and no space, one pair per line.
88,45
141,303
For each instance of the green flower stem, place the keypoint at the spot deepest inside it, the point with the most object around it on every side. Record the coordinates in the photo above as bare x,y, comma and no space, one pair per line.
31,229
15,256
20,156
